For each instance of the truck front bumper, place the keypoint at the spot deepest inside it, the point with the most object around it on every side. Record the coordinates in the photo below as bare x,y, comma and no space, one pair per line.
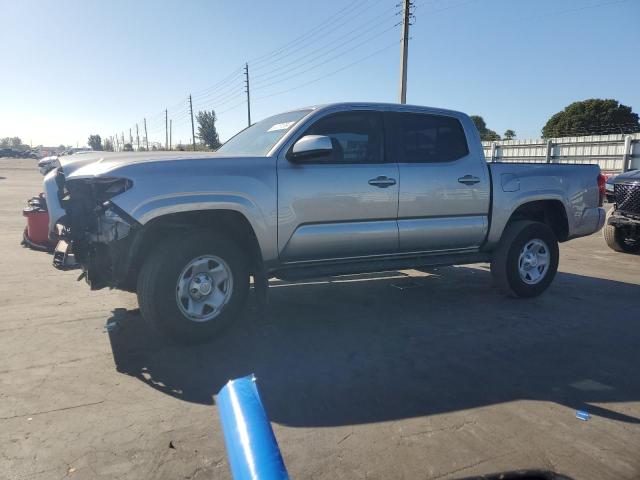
618,220
94,235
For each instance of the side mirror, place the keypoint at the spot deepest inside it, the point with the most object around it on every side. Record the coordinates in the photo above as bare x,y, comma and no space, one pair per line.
311,146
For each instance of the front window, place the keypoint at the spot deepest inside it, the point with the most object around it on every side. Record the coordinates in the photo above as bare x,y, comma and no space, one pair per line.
356,137
259,138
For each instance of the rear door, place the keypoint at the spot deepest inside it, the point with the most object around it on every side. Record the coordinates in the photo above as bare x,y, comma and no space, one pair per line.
444,187
343,204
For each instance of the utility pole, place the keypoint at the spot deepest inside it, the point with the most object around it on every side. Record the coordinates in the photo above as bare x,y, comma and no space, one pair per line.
404,49
146,137
246,75
166,129
193,132
170,133
130,138
117,143
137,137
123,140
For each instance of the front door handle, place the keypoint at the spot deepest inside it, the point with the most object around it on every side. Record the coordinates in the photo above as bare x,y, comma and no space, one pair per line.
382,182
469,180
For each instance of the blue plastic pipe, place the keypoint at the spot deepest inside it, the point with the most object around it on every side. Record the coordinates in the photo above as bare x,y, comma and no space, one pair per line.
251,445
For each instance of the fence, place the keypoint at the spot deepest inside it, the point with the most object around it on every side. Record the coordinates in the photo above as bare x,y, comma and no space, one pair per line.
614,153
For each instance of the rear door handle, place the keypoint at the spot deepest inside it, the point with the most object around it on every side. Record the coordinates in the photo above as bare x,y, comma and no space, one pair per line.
469,180
382,182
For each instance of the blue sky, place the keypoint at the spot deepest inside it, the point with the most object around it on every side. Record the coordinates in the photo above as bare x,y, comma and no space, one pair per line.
75,67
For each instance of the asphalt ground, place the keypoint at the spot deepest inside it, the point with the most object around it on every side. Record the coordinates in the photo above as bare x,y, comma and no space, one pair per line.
401,375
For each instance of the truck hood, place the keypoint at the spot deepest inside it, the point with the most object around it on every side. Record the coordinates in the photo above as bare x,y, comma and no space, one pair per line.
631,176
101,163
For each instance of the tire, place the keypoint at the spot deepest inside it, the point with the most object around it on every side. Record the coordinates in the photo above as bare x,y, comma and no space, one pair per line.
539,241
165,276
616,240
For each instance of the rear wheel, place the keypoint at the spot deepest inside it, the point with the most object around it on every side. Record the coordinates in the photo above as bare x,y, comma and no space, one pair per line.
191,288
526,260
620,239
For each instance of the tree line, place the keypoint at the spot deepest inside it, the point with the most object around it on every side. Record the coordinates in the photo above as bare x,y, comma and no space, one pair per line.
10,142
208,138
594,116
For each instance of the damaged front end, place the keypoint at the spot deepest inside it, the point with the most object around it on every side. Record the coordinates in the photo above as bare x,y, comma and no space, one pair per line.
94,233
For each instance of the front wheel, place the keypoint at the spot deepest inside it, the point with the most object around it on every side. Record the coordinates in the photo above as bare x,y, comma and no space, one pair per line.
526,260
190,288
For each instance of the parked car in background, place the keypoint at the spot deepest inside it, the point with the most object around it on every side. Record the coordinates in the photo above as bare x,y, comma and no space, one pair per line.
29,154
13,153
75,150
9,152
336,189
622,230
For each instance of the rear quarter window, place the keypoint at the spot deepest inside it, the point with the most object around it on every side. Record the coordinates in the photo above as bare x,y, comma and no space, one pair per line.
425,138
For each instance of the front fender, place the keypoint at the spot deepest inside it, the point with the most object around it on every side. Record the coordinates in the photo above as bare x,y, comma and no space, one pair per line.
161,205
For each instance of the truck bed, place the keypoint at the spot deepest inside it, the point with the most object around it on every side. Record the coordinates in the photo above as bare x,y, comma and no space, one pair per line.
573,188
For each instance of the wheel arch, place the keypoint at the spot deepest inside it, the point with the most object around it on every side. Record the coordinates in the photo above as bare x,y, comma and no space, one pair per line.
551,212
225,221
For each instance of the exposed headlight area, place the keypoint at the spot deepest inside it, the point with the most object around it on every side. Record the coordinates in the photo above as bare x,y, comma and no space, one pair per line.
84,199
89,210
96,231
111,226
106,188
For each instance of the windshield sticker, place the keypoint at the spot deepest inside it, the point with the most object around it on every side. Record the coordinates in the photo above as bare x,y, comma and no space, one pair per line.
280,126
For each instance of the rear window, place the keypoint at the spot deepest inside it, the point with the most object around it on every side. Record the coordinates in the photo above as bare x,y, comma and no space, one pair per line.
424,138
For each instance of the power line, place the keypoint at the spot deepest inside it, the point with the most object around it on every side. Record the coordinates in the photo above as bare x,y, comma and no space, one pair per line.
237,86
262,86
231,108
348,21
448,7
236,73
220,103
219,91
569,10
344,12
352,64
341,44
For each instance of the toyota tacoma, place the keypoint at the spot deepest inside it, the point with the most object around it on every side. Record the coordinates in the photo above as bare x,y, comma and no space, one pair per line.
328,190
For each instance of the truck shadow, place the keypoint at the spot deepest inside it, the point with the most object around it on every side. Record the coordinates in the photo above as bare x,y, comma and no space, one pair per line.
381,347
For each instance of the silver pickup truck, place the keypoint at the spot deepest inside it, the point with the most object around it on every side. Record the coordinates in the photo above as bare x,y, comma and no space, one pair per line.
329,190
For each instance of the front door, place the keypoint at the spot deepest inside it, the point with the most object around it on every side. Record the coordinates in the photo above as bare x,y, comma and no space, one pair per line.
343,204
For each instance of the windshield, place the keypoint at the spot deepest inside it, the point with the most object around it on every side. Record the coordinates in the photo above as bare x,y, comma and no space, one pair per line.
260,137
